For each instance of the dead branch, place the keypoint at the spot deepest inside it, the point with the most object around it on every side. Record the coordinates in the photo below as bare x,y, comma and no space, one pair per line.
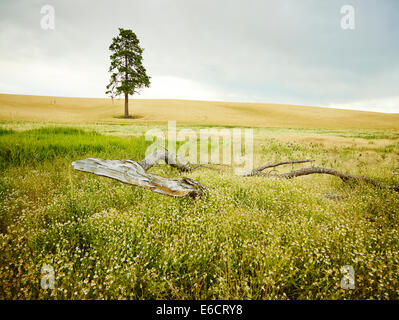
347,178
273,165
135,173
175,161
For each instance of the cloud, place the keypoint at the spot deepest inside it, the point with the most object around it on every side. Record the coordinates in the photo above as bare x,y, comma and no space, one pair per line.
388,105
167,87
267,51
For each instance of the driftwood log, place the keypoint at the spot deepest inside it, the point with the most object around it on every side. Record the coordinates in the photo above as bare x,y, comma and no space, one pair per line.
135,173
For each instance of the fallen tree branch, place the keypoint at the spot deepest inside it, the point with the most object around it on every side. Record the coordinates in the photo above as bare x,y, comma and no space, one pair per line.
175,161
273,165
347,178
135,173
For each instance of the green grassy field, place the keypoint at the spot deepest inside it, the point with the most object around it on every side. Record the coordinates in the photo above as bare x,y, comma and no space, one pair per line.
251,238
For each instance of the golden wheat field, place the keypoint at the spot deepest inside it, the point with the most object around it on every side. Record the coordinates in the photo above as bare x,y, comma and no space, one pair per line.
91,110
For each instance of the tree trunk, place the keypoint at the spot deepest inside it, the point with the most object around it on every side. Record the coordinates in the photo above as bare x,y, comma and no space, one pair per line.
126,95
126,105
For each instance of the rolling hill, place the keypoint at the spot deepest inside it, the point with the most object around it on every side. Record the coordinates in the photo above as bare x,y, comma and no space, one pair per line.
97,110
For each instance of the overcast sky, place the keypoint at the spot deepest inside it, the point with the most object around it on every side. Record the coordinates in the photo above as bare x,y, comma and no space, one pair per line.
283,51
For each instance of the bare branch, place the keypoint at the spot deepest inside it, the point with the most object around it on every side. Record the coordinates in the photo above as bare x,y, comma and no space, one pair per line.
273,165
175,161
347,178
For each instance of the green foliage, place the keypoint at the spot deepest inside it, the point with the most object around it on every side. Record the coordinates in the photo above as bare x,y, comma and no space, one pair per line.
128,74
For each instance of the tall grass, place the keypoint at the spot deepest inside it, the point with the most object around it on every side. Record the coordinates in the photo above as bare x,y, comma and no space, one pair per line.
46,144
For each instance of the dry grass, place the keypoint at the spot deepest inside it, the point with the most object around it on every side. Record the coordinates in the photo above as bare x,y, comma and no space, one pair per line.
85,110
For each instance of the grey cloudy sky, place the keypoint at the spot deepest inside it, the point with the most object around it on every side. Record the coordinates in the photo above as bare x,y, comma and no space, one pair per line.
284,51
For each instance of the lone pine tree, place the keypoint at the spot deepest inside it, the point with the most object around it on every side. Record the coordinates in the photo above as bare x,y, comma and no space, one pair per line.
128,74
